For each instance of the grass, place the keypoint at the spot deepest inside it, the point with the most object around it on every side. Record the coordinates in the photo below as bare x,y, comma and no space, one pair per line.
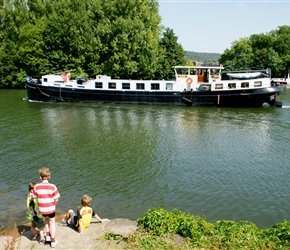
160,229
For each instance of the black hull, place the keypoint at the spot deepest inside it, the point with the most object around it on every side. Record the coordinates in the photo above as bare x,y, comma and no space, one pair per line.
235,98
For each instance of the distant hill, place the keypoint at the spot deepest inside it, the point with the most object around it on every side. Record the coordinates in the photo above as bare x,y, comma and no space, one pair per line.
202,56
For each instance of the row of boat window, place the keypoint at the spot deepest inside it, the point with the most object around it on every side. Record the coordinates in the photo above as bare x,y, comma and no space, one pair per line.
234,85
126,85
169,86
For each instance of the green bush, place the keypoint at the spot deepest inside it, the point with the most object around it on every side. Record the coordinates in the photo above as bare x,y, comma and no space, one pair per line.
224,234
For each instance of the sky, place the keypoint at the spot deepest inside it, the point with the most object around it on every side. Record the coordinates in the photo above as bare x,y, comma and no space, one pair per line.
212,26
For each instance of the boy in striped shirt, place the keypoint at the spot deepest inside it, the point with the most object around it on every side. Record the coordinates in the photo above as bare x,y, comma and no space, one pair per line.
48,196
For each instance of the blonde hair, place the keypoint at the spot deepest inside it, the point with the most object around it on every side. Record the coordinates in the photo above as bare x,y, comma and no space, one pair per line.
31,185
44,173
86,200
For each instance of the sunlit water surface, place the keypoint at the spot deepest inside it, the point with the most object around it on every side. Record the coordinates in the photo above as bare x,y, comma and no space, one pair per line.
219,163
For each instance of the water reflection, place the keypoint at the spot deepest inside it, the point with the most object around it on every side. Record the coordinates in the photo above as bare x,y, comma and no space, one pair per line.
220,163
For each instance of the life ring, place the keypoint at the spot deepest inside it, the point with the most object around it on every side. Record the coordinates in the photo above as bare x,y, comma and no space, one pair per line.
189,80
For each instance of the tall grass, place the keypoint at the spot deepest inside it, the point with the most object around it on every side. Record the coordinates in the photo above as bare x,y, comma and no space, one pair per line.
224,234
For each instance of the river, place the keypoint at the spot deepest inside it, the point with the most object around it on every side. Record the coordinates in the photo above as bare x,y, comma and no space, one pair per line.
219,163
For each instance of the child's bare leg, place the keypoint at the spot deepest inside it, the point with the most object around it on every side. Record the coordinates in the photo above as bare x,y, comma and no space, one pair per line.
46,226
33,232
66,216
41,233
52,227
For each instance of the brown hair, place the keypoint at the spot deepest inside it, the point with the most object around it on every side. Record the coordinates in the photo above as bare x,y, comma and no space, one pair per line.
31,185
86,200
44,173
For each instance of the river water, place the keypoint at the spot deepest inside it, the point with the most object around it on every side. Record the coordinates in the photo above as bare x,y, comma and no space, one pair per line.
219,163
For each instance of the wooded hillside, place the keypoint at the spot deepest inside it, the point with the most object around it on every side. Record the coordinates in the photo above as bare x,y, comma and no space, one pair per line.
201,56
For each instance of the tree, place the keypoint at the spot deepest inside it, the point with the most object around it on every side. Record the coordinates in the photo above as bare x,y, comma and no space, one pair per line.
173,55
239,57
69,37
282,47
270,50
130,35
13,14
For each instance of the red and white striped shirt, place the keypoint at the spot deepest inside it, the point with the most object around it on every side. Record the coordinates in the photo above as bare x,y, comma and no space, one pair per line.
46,193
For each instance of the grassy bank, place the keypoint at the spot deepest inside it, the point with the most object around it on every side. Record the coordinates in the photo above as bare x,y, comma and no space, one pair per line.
160,229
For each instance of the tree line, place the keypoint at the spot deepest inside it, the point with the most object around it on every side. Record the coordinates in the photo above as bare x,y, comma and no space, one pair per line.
201,56
123,39
261,51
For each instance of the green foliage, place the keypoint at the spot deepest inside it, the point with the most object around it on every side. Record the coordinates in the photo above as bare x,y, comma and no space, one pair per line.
261,51
280,233
224,234
173,55
239,57
122,39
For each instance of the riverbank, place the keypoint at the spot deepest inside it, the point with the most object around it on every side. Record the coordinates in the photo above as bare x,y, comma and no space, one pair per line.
160,229
67,238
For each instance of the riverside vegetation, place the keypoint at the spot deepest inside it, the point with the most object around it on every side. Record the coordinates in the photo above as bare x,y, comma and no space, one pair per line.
122,39
161,229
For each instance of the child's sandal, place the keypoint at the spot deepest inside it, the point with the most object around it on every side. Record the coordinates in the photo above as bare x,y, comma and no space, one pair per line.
42,241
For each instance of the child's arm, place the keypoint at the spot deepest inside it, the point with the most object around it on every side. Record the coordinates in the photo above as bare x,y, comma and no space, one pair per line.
99,219
31,208
32,211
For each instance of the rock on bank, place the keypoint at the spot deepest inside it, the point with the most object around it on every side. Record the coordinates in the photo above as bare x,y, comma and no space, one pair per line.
67,238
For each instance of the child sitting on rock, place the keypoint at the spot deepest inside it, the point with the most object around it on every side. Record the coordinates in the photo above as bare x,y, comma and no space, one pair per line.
84,216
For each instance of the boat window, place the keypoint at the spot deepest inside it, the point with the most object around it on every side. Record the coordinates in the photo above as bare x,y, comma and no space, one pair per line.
125,85
245,85
204,87
192,71
140,86
112,85
258,84
182,71
45,79
219,86
98,85
231,85
169,86
155,86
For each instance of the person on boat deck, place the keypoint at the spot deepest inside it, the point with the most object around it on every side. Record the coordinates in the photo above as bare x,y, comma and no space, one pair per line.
64,76
83,218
